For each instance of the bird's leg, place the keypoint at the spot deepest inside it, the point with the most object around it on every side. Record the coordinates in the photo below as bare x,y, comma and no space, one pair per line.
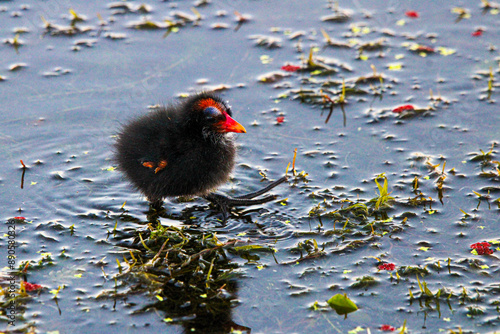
263,190
226,202
155,204
154,212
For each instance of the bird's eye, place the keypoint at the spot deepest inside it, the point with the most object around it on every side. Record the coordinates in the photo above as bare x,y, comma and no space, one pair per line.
211,112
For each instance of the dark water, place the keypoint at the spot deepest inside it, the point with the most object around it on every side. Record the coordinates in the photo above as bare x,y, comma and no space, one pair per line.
60,111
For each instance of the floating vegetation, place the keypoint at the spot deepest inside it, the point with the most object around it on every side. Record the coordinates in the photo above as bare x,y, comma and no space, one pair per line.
364,282
335,43
145,24
17,66
241,19
269,42
375,45
14,42
339,15
179,19
490,89
115,35
462,13
21,30
57,71
272,77
120,8
71,30
317,87
218,26
183,270
342,304
89,42
485,158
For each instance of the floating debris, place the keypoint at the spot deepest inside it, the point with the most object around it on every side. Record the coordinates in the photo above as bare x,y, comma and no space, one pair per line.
120,8
71,30
15,42
219,26
269,42
17,66
115,35
145,24
56,72
85,42
272,77
339,15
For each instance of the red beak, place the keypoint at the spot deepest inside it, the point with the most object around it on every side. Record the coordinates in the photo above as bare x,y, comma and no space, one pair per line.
230,125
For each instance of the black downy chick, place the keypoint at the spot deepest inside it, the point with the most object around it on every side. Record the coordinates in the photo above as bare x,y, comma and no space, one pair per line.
184,150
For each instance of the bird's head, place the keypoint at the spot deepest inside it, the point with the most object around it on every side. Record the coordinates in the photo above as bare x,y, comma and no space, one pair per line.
214,115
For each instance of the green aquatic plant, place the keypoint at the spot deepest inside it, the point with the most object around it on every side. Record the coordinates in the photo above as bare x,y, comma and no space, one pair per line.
71,30
364,282
310,247
383,200
485,158
75,17
342,304
16,43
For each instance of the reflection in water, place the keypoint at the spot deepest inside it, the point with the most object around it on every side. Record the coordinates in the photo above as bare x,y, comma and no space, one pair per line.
199,312
186,269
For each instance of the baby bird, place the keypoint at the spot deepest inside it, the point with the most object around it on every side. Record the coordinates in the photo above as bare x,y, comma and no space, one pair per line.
183,150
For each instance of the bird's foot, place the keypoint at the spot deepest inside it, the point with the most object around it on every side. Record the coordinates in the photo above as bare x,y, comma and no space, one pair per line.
226,203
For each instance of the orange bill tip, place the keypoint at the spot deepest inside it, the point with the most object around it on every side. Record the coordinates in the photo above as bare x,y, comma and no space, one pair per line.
230,125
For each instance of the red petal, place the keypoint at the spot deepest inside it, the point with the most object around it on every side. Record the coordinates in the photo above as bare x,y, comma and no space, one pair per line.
478,32
412,14
290,68
387,266
30,287
403,108
388,328
425,48
480,245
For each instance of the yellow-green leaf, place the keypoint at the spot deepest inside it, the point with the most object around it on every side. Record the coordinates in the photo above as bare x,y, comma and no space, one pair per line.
342,304
395,67
446,51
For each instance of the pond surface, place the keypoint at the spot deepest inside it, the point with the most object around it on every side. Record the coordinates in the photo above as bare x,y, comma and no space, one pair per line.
391,101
